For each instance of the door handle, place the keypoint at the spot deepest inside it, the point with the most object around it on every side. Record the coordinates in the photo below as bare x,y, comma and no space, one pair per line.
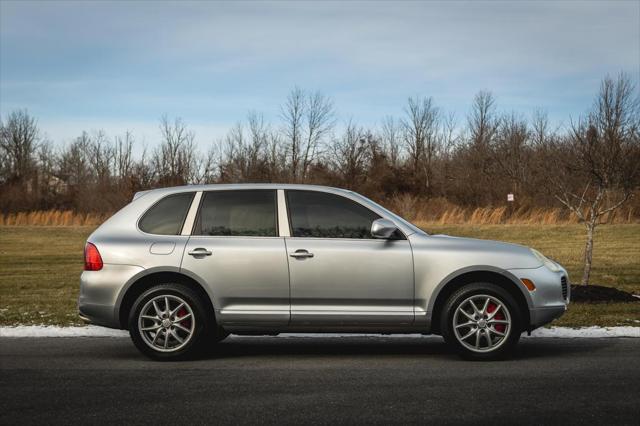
200,252
301,254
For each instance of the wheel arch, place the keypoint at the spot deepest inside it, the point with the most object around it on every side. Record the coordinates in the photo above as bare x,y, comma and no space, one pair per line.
147,279
470,275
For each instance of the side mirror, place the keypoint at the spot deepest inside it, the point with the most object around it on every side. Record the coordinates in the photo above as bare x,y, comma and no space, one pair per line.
383,228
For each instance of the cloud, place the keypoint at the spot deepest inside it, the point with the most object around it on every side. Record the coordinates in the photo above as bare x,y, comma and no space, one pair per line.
211,62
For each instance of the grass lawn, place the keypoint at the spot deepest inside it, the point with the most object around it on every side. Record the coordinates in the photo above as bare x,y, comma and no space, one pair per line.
39,274
40,268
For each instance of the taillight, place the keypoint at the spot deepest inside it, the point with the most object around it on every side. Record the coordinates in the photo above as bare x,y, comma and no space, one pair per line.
92,258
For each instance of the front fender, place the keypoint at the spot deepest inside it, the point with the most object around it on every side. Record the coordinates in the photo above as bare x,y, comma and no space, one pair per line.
426,304
478,268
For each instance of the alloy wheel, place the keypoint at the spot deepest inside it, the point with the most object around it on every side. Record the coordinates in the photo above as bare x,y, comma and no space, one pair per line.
166,323
482,323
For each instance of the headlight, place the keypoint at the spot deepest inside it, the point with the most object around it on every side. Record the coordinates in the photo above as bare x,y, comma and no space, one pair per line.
550,264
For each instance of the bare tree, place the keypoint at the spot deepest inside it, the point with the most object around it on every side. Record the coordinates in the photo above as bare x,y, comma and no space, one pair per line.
474,167
237,155
307,120
123,156
319,120
350,155
248,151
18,144
208,166
256,150
142,174
482,121
100,155
174,161
74,166
598,162
391,140
510,150
292,114
540,131
449,141
420,131
46,169
275,157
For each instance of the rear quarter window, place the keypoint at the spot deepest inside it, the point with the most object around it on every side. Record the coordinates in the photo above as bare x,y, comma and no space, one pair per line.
167,216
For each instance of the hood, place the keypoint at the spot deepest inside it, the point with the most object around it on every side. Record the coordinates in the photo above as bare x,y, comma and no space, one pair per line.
472,251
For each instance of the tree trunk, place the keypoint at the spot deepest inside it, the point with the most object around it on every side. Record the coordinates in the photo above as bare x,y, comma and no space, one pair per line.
588,254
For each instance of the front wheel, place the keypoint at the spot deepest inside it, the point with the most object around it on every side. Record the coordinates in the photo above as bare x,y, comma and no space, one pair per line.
169,322
482,322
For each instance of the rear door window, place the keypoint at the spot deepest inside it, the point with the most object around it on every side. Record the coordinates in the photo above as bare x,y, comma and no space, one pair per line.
250,213
167,216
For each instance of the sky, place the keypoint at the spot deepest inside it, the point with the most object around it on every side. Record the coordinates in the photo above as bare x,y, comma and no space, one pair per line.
120,66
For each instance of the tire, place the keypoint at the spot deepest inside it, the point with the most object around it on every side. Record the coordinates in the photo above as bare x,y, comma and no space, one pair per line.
173,340
491,332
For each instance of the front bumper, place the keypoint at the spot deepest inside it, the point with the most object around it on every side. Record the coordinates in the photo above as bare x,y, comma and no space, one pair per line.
541,316
548,300
99,291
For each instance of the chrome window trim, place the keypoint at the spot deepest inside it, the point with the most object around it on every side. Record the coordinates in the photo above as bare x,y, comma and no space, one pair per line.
283,216
191,215
235,236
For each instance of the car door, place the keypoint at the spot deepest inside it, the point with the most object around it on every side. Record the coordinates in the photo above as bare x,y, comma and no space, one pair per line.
339,274
236,250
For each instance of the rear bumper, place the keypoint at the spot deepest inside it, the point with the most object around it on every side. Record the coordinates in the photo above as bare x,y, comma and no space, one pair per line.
99,291
97,314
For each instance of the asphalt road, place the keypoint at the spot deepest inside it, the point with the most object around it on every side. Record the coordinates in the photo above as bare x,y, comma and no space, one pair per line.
319,380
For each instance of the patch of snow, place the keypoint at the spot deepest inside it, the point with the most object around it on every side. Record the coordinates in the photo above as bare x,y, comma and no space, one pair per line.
56,331
96,331
566,332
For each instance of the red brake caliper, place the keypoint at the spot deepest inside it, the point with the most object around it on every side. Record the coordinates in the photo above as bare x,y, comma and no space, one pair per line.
187,322
499,316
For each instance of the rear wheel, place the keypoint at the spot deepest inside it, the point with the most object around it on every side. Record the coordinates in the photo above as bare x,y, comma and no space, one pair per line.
482,322
169,322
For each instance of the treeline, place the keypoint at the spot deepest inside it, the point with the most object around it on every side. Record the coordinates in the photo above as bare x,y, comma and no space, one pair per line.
424,159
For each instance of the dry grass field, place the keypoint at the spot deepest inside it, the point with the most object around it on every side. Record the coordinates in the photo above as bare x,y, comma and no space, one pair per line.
52,218
439,212
40,266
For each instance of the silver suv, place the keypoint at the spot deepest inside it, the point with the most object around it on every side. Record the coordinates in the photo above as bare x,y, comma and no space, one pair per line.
183,267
